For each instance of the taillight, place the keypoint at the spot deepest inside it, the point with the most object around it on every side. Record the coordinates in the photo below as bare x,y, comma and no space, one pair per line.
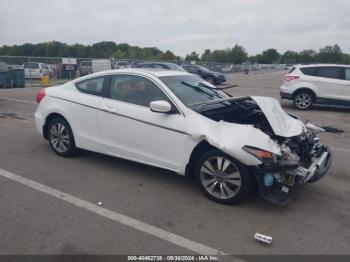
290,78
40,96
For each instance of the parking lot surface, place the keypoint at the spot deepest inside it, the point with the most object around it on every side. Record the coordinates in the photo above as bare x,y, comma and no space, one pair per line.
317,221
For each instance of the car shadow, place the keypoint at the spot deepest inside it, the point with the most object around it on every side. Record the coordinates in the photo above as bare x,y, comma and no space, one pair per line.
133,168
174,181
328,108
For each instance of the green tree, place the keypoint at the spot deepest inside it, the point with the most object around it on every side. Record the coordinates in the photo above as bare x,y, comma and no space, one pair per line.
220,56
168,55
330,54
346,59
206,56
103,49
119,54
307,56
290,57
270,56
192,57
238,55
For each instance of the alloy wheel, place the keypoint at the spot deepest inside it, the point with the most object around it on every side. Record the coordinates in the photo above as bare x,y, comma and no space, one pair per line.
220,177
303,100
59,137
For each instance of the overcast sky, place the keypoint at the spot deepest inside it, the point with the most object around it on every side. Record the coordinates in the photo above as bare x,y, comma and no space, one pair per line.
180,25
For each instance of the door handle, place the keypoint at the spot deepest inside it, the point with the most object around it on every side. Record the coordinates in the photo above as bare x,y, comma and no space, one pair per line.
110,109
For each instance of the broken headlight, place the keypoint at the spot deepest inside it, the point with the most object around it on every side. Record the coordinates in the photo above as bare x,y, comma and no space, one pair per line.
262,155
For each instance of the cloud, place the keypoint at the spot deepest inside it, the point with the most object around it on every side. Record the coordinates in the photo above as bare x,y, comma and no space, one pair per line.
182,25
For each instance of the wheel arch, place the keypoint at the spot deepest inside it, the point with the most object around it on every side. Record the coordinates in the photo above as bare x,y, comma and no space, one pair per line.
196,152
50,117
307,89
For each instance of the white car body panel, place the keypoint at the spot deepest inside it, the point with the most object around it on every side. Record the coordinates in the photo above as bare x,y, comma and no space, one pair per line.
135,132
67,101
164,140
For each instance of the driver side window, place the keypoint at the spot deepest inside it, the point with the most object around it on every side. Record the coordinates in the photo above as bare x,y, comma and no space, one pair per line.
135,90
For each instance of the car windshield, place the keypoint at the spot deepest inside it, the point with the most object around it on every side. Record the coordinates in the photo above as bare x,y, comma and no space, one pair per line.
176,67
203,68
192,89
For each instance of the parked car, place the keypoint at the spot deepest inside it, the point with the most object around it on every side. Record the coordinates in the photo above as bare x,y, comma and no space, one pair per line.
35,70
160,65
52,70
121,64
317,84
210,76
177,121
85,67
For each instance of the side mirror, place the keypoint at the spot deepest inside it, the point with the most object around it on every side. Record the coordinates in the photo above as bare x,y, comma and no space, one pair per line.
161,106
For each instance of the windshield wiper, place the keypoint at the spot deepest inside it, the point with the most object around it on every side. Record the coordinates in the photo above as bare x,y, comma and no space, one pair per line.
199,89
206,86
217,88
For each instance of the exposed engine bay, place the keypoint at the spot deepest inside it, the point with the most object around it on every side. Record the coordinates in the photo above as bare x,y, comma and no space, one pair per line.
303,158
240,111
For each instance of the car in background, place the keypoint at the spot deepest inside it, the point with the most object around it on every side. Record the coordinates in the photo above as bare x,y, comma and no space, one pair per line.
121,64
160,65
36,70
288,67
52,70
317,84
85,67
208,75
177,121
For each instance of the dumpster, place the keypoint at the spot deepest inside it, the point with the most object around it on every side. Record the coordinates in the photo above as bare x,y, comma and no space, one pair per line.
5,79
18,77
10,77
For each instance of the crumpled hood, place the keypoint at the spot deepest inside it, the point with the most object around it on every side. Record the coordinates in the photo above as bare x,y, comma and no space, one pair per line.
281,123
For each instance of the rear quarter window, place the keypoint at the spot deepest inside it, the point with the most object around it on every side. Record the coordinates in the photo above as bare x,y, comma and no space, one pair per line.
310,71
93,86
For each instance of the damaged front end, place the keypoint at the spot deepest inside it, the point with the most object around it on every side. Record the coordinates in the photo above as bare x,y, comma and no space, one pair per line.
302,158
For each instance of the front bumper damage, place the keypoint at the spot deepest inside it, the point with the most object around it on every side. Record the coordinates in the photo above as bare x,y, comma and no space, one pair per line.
284,176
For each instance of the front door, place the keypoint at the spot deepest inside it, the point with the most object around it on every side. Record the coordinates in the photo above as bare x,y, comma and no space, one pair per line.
330,82
129,129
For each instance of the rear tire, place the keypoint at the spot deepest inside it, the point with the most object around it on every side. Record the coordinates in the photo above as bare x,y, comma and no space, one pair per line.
222,178
303,100
61,137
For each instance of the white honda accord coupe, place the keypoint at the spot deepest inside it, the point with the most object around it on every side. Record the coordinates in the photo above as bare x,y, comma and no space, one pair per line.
177,121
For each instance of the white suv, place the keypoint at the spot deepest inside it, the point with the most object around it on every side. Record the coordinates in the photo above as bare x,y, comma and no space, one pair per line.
322,84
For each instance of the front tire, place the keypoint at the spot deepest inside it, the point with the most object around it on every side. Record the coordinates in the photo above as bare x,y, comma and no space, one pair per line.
303,100
222,178
61,137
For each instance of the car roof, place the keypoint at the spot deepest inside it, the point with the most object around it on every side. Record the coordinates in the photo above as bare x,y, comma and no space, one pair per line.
155,62
143,71
316,65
